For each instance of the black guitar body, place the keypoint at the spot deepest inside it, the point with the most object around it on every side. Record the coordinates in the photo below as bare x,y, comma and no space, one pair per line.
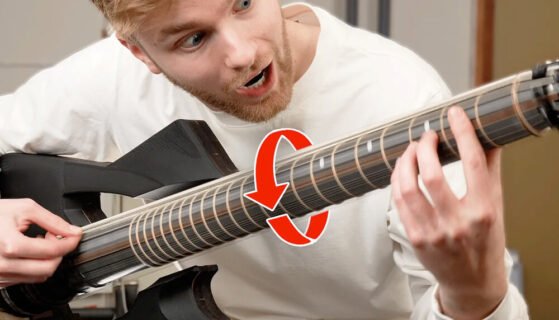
182,155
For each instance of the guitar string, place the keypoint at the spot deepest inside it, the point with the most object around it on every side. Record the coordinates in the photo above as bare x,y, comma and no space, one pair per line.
494,86
516,106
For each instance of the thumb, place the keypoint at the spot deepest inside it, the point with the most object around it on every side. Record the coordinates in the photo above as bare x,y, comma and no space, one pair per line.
53,223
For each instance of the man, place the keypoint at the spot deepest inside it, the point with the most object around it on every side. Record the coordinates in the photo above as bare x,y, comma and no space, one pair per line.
250,67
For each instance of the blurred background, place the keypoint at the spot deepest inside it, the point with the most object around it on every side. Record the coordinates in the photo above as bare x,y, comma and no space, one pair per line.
469,42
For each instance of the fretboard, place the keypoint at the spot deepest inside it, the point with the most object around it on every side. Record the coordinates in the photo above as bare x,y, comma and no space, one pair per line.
214,213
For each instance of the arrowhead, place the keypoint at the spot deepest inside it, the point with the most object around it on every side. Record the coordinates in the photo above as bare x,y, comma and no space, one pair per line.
268,197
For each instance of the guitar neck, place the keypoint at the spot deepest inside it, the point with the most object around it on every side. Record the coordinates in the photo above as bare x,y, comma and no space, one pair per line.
192,221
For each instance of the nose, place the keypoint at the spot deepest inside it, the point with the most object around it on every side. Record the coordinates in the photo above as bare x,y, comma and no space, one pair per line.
240,52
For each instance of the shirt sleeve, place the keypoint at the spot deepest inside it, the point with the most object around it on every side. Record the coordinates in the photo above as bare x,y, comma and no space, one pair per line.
512,307
64,109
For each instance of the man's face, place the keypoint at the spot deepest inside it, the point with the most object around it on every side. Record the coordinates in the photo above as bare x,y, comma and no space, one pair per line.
233,55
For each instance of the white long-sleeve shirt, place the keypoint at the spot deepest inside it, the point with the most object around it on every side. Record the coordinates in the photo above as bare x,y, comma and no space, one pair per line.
102,102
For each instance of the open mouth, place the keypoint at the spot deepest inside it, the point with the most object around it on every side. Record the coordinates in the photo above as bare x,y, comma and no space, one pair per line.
258,80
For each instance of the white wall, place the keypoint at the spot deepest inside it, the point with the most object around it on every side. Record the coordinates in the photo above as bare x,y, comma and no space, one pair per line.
337,7
37,33
442,32
367,14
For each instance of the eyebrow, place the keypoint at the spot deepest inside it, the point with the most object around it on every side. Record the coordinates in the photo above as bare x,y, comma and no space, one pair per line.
172,30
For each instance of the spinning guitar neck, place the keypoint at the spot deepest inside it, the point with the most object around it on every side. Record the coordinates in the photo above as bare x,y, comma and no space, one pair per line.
502,112
213,213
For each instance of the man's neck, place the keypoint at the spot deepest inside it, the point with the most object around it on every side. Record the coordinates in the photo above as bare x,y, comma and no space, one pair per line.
303,29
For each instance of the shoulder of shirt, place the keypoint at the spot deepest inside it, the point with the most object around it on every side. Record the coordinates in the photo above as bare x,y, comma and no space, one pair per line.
376,51
114,58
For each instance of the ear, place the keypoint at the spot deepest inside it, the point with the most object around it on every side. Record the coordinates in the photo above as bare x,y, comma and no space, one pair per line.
140,53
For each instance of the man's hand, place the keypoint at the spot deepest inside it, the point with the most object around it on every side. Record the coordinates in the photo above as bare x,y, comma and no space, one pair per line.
461,241
27,260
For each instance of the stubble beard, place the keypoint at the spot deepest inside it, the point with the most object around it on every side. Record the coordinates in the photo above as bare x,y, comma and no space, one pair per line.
265,109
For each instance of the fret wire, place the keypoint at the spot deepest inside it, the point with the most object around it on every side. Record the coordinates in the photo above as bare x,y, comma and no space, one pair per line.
347,169
280,205
138,240
313,179
152,262
480,125
333,162
373,163
131,241
519,113
515,127
119,219
161,229
507,121
231,215
173,229
245,210
443,132
282,208
309,182
444,129
265,212
325,179
493,86
503,83
358,164
294,188
395,140
154,215
383,152
217,217
192,222
146,238
474,118
203,217
371,166
114,221
183,229
410,135
311,164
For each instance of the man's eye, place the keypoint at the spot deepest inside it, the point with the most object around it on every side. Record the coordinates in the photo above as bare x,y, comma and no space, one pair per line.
241,5
193,41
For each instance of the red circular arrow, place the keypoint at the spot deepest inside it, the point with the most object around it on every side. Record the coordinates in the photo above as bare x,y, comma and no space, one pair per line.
268,193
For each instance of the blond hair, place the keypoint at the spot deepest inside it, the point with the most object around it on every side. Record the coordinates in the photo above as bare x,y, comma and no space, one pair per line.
126,16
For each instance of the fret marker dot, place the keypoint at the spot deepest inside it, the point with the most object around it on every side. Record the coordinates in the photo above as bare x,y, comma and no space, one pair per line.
369,146
426,125
321,163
